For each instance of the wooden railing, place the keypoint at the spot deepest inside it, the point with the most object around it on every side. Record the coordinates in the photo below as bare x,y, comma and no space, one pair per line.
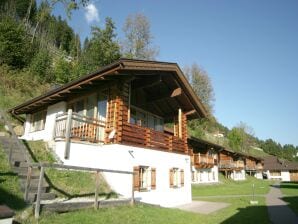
43,166
203,159
230,164
81,128
141,136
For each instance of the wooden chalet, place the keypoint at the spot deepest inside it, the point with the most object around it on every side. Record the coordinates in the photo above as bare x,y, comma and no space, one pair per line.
231,162
204,160
204,154
127,102
253,165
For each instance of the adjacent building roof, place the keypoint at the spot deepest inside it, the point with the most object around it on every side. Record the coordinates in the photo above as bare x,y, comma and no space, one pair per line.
169,74
275,164
199,144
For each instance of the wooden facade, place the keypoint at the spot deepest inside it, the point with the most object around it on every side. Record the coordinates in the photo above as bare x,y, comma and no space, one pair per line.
204,155
230,161
253,164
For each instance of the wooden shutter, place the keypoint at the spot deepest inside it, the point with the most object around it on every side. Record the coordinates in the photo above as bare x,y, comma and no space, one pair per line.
171,174
136,178
182,178
153,178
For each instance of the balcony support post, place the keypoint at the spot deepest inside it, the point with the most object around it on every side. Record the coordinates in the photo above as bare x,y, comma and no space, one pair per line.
68,134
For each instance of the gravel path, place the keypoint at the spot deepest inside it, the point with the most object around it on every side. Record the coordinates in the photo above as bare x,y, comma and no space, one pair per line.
278,210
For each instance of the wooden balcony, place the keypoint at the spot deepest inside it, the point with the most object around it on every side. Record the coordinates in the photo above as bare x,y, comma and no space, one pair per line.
81,128
146,137
230,164
202,161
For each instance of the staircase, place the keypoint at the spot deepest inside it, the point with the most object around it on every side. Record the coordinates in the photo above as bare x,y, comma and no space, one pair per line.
20,160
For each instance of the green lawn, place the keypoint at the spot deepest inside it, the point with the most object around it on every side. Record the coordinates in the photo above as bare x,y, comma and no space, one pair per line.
230,187
239,212
290,192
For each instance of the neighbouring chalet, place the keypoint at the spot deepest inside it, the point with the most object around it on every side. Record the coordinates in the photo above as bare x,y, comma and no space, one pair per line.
254,166
208,159
280,169
114,118
232,164
204,158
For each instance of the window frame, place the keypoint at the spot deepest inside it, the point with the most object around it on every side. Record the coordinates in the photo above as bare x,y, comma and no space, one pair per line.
136,119
34,121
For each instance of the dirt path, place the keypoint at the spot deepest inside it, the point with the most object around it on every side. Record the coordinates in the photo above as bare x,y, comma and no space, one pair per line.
278,210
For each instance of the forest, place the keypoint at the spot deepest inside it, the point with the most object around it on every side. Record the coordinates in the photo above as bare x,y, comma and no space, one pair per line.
40,51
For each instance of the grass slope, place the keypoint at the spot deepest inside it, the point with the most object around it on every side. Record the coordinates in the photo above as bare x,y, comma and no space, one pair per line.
66,183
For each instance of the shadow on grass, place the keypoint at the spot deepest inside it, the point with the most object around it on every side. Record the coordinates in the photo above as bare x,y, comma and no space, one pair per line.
289,185
255,214
11,200
292,202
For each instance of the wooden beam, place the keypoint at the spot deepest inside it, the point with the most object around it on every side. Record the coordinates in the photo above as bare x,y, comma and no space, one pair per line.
191,112
176,92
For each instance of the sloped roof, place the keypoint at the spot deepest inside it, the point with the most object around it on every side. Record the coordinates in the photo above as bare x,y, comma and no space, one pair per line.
118,70
199,142
274,163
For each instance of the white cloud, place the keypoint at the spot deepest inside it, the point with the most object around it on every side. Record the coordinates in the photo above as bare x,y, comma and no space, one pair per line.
91,13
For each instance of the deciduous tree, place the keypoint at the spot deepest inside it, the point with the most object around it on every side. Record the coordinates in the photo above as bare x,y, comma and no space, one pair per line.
138,38
201,83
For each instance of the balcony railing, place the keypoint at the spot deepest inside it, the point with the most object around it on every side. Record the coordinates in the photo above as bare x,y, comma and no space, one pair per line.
203,159
141,136
228,164
82,128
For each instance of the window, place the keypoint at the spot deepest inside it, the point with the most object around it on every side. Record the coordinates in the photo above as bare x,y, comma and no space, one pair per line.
176,177
144,178
93,106
145,119
38,120
275,173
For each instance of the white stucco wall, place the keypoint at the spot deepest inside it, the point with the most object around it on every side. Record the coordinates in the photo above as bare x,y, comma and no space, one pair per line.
284,176
259,175
205,175
122,157
47,133
238,175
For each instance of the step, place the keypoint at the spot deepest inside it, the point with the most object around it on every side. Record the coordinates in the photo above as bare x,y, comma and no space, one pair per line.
22,164
33,182
33,189
44,196
23,173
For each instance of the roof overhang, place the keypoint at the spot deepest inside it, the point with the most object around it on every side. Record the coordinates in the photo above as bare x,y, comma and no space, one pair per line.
123,68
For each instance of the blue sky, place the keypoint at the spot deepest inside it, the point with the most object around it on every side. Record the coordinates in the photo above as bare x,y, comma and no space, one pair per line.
248,48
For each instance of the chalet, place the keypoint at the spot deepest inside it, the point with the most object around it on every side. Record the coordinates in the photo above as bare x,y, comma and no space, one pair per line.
275,168
232,164
204,158
115,118
254,166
